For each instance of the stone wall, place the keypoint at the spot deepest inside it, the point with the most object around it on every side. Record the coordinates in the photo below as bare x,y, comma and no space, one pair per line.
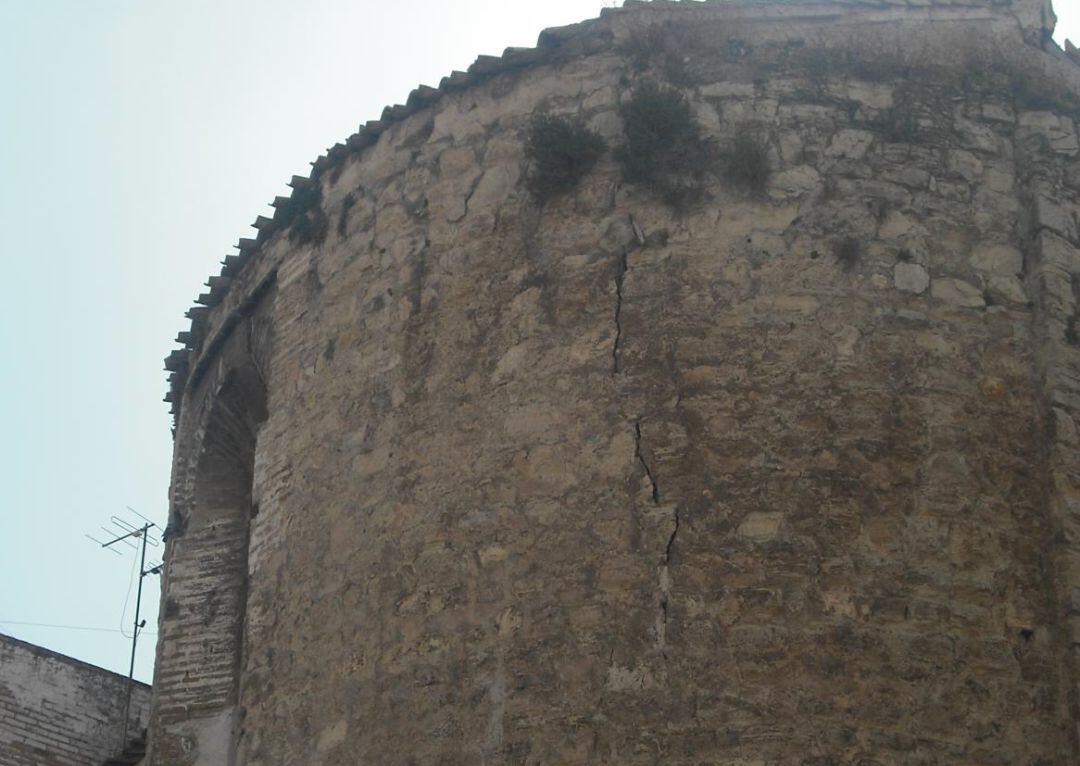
57,711
776,478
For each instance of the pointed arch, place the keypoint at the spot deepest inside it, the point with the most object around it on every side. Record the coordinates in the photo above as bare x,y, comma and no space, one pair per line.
196,713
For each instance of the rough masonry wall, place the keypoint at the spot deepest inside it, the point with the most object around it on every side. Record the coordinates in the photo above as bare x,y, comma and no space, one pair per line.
778,479
57,711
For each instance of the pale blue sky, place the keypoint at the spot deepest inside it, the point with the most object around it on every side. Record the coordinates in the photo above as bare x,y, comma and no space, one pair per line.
141,137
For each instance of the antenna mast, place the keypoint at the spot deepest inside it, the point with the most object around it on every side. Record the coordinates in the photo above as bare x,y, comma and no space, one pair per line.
141,533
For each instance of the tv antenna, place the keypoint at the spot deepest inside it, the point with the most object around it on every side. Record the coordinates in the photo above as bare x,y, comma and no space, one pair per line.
126,532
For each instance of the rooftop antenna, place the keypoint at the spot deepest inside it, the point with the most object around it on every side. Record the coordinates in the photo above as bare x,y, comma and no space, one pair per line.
126,532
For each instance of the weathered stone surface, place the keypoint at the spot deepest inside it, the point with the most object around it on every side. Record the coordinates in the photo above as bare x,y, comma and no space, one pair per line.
966,165
998,260
850,144
761,527
794,182
1008,289
910,277
727,90
1058,130
872,94
998,113
957,293
476,479
1057,217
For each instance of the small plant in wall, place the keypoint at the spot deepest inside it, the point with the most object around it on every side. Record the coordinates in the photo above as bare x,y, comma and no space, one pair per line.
665,150
848,252
309,228
746,161
343,217
900,123
656,47
302,216
560,152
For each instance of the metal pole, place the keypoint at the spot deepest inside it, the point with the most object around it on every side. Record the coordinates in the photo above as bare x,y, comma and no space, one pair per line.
134,638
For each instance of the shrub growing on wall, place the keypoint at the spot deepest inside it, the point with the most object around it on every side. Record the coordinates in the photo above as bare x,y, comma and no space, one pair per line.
900,122
309,228
664,148
302,216
747,161
343,217
656,47
560,152
848,253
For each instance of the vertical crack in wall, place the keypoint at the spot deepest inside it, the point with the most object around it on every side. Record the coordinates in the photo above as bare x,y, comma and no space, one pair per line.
620,275
664,571
641,459
665,583
622,266
674,534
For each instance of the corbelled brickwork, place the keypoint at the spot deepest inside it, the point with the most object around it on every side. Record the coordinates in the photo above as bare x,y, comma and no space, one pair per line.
788,477
57,711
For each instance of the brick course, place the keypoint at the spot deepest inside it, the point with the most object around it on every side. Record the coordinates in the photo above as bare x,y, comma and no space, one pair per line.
58,711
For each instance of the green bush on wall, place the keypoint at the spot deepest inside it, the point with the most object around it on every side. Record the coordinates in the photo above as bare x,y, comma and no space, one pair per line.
747,161
656,47
664,148
848,252
560,152
309,228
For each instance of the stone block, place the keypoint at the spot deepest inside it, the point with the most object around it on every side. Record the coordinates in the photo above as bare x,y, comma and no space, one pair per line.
957,293
760,527
1059,131
910,277
997,259
1059,217
850,144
